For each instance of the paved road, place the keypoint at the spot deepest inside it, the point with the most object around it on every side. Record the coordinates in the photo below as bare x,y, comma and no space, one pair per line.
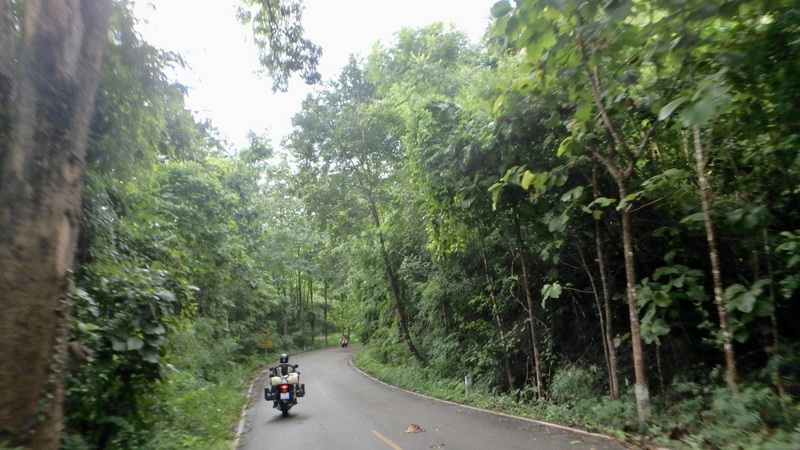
344,409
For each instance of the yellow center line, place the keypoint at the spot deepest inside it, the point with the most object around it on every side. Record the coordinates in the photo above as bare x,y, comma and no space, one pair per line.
388,442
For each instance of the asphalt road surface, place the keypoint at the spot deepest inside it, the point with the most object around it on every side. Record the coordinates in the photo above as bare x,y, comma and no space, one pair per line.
345,409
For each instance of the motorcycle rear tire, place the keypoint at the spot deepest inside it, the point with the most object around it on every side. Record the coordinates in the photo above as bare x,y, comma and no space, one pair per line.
285,407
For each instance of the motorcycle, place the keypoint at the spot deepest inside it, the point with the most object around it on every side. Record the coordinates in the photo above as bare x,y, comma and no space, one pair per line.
343,341
285,387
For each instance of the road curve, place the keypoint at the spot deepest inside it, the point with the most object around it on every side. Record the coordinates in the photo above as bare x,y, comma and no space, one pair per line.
344,409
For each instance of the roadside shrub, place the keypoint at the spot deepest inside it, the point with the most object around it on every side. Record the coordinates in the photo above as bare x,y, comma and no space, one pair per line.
189,412
573,382
747,420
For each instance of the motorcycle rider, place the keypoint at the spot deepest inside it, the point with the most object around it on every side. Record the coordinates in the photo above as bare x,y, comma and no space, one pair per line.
284,368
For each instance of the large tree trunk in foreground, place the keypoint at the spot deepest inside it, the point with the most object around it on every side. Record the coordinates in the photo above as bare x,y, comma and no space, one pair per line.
47,87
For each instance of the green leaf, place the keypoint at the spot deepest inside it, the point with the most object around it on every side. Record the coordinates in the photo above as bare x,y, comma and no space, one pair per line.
150,354
134,343
156,328
676,174
618,10
667,110
527,178
497,187
561,5
501,8
584,112
630,198
558,223
696,217
539,44
573,194
763,308
698,113
495,195
87,327
513,27
660,327
734,290
740,298
537,180
603,202
665,270
741,335
551,290
118,346
565,146
662,299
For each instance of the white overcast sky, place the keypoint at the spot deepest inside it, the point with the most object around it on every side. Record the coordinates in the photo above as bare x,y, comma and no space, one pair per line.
223,61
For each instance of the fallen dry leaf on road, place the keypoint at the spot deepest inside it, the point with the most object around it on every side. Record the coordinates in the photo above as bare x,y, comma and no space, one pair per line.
413,428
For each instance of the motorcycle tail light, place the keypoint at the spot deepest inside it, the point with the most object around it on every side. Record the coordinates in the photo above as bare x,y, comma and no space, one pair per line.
284,388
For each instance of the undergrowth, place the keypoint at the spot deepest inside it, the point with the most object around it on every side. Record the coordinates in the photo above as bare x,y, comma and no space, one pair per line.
198,400
201,412
689,417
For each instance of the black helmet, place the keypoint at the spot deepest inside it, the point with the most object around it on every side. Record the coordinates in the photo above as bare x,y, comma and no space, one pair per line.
284,358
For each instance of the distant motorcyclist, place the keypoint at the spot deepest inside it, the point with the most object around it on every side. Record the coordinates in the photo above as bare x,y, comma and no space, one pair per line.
343,341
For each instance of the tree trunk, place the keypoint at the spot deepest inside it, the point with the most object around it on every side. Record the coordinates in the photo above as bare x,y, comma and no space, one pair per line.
537,360
394,285
496,314
310,309
641,388
47,87
608,334
325,296
617,145
775,349
716,274
603,313
299,301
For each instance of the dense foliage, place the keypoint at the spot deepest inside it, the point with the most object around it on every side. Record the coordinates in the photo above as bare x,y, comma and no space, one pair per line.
188,252
593,213
602,190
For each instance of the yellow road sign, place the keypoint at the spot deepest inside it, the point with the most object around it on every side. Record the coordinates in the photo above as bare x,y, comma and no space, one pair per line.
265,344
265,332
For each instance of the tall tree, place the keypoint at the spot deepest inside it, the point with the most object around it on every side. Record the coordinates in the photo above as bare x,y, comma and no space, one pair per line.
356,152
599,46
50,57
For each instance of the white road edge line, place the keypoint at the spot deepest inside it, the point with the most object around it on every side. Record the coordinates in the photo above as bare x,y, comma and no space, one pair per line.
510,416
243,419
243,416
